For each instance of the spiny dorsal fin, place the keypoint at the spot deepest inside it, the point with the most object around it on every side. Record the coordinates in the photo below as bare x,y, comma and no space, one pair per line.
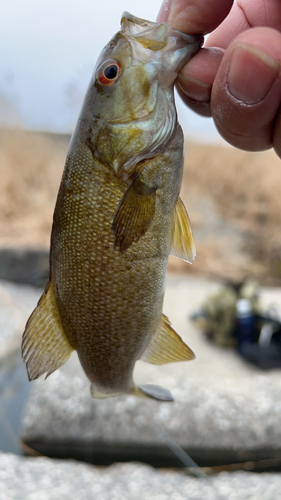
167,346
44,345
182,245
134,214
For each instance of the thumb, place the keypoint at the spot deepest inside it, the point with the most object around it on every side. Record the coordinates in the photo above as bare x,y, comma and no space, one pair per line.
246,92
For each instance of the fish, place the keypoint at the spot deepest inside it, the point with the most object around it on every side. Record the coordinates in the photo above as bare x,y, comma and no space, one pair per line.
117,218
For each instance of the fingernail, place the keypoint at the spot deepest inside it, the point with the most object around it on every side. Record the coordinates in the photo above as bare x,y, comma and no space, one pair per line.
164,11
251,74
194,89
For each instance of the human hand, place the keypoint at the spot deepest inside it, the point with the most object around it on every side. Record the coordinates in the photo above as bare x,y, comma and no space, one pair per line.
236,77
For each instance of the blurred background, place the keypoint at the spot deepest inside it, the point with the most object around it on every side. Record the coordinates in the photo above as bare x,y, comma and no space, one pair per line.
48,51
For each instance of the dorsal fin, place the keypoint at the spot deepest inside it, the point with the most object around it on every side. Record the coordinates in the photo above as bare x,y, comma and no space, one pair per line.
44,344
182,245
167,346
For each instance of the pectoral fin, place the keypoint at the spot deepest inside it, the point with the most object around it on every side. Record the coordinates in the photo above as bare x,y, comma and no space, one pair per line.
44,344
134,214
167,346
183,245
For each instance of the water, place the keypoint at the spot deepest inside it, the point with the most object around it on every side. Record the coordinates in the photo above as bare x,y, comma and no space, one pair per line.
14,390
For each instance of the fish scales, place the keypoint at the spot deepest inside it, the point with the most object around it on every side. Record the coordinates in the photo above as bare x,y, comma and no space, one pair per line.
117,215
126,290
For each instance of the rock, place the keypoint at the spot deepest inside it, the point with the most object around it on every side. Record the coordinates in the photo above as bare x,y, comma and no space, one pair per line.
225,410
23,265
42,478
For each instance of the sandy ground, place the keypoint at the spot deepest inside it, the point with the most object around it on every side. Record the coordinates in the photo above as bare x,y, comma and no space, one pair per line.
233,199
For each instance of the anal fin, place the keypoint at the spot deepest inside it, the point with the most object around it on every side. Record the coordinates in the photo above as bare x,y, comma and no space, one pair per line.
182,245
44,344
167,346
134,214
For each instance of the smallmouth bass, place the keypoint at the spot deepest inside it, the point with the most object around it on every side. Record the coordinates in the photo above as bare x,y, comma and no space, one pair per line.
117,218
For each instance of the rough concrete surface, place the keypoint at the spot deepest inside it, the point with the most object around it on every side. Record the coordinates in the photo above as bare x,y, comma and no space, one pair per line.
45,479
221,402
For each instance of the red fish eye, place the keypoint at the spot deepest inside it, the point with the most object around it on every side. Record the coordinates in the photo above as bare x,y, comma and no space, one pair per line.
109,73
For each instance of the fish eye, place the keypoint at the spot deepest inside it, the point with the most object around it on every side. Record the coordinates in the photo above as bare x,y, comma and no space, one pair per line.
109,73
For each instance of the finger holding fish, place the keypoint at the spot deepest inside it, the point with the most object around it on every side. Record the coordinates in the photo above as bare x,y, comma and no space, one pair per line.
235,79
194,16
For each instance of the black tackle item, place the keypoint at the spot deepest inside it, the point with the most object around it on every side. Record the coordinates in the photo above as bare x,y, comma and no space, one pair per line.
232,317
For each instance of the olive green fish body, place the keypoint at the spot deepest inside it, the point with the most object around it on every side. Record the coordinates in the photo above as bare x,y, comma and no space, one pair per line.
122,305
118,216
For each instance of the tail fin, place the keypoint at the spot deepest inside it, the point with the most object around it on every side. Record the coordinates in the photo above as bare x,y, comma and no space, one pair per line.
154,391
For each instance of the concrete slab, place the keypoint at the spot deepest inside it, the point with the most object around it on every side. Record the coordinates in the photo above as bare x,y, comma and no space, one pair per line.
223,405
45,479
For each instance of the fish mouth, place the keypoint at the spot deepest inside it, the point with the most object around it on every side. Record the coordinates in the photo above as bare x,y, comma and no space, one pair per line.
132,25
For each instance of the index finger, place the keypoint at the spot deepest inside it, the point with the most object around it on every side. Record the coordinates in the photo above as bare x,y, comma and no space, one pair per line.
194,16
244,15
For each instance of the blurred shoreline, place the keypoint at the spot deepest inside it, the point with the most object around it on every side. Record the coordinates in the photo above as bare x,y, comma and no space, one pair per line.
232,198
